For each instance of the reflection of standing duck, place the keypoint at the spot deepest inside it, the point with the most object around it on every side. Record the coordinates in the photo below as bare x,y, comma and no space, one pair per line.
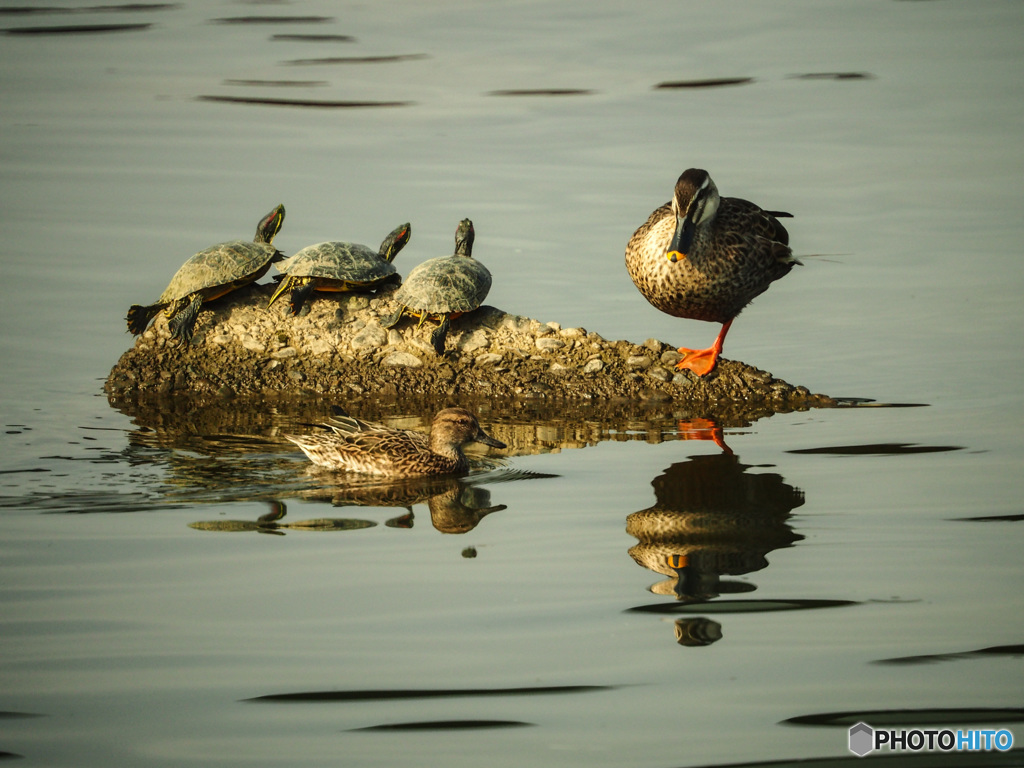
711,518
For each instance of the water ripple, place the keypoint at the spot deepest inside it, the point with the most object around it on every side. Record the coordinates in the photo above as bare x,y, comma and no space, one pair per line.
273,20
309,103
300,38
388,694
388,59
445,725
77,29
543,92
716,82
278,83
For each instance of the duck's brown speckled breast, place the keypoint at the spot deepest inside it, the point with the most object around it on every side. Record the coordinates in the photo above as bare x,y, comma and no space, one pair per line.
732,260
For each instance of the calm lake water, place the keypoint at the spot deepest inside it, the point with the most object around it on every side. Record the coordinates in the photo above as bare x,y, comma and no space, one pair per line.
177,588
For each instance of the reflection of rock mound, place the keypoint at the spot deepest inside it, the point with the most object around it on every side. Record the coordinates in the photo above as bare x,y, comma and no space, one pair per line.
712,518
211,425
339,347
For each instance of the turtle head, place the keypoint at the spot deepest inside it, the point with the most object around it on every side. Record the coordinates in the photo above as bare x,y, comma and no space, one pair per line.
270,225
695,202
395,242
464,236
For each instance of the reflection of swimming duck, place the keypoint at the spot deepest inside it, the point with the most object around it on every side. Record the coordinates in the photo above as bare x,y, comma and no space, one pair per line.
461,509
705,257
271,523
354,445
455,505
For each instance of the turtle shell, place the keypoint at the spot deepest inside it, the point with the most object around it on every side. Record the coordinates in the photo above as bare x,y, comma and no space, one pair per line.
349,262
445,284
219,265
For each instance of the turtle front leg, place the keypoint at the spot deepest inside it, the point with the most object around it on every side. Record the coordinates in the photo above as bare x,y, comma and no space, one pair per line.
439,336
184,321
301,294
284,285
392,321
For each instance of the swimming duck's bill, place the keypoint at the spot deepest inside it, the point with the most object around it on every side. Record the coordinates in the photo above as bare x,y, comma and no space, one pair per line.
486,439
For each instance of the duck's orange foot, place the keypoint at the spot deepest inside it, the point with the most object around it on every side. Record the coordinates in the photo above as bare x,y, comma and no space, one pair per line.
700,361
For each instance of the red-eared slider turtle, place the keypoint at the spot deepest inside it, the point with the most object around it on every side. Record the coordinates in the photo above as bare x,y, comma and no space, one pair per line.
209,275
444,288
705,257
337,266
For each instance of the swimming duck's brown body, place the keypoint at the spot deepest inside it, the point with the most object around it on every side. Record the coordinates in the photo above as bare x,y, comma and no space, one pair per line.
354,445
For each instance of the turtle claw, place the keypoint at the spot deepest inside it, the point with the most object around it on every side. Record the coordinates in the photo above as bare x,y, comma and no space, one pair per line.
300,295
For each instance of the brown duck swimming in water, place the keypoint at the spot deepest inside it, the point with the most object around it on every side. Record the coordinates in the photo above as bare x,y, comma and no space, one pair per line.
354,445
705,257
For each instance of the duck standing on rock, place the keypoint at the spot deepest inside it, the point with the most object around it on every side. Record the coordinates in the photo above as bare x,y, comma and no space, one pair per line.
354,445
705,257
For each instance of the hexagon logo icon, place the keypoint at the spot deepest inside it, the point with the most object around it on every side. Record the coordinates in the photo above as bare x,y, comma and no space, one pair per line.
862,737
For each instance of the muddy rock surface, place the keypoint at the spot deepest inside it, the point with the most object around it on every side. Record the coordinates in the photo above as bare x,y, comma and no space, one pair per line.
338,347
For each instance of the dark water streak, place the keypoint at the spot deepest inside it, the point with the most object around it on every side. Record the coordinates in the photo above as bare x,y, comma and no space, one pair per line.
125,8
299,38
273,20
445,725
304,103
388,59
77,29
424,693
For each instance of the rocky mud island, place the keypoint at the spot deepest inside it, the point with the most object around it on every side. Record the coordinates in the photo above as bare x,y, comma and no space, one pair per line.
338,348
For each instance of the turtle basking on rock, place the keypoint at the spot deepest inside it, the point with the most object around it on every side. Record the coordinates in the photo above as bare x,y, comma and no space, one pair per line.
444,288
339,266
209,275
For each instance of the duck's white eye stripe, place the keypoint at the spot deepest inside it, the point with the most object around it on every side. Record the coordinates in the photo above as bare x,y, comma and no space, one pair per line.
707,180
